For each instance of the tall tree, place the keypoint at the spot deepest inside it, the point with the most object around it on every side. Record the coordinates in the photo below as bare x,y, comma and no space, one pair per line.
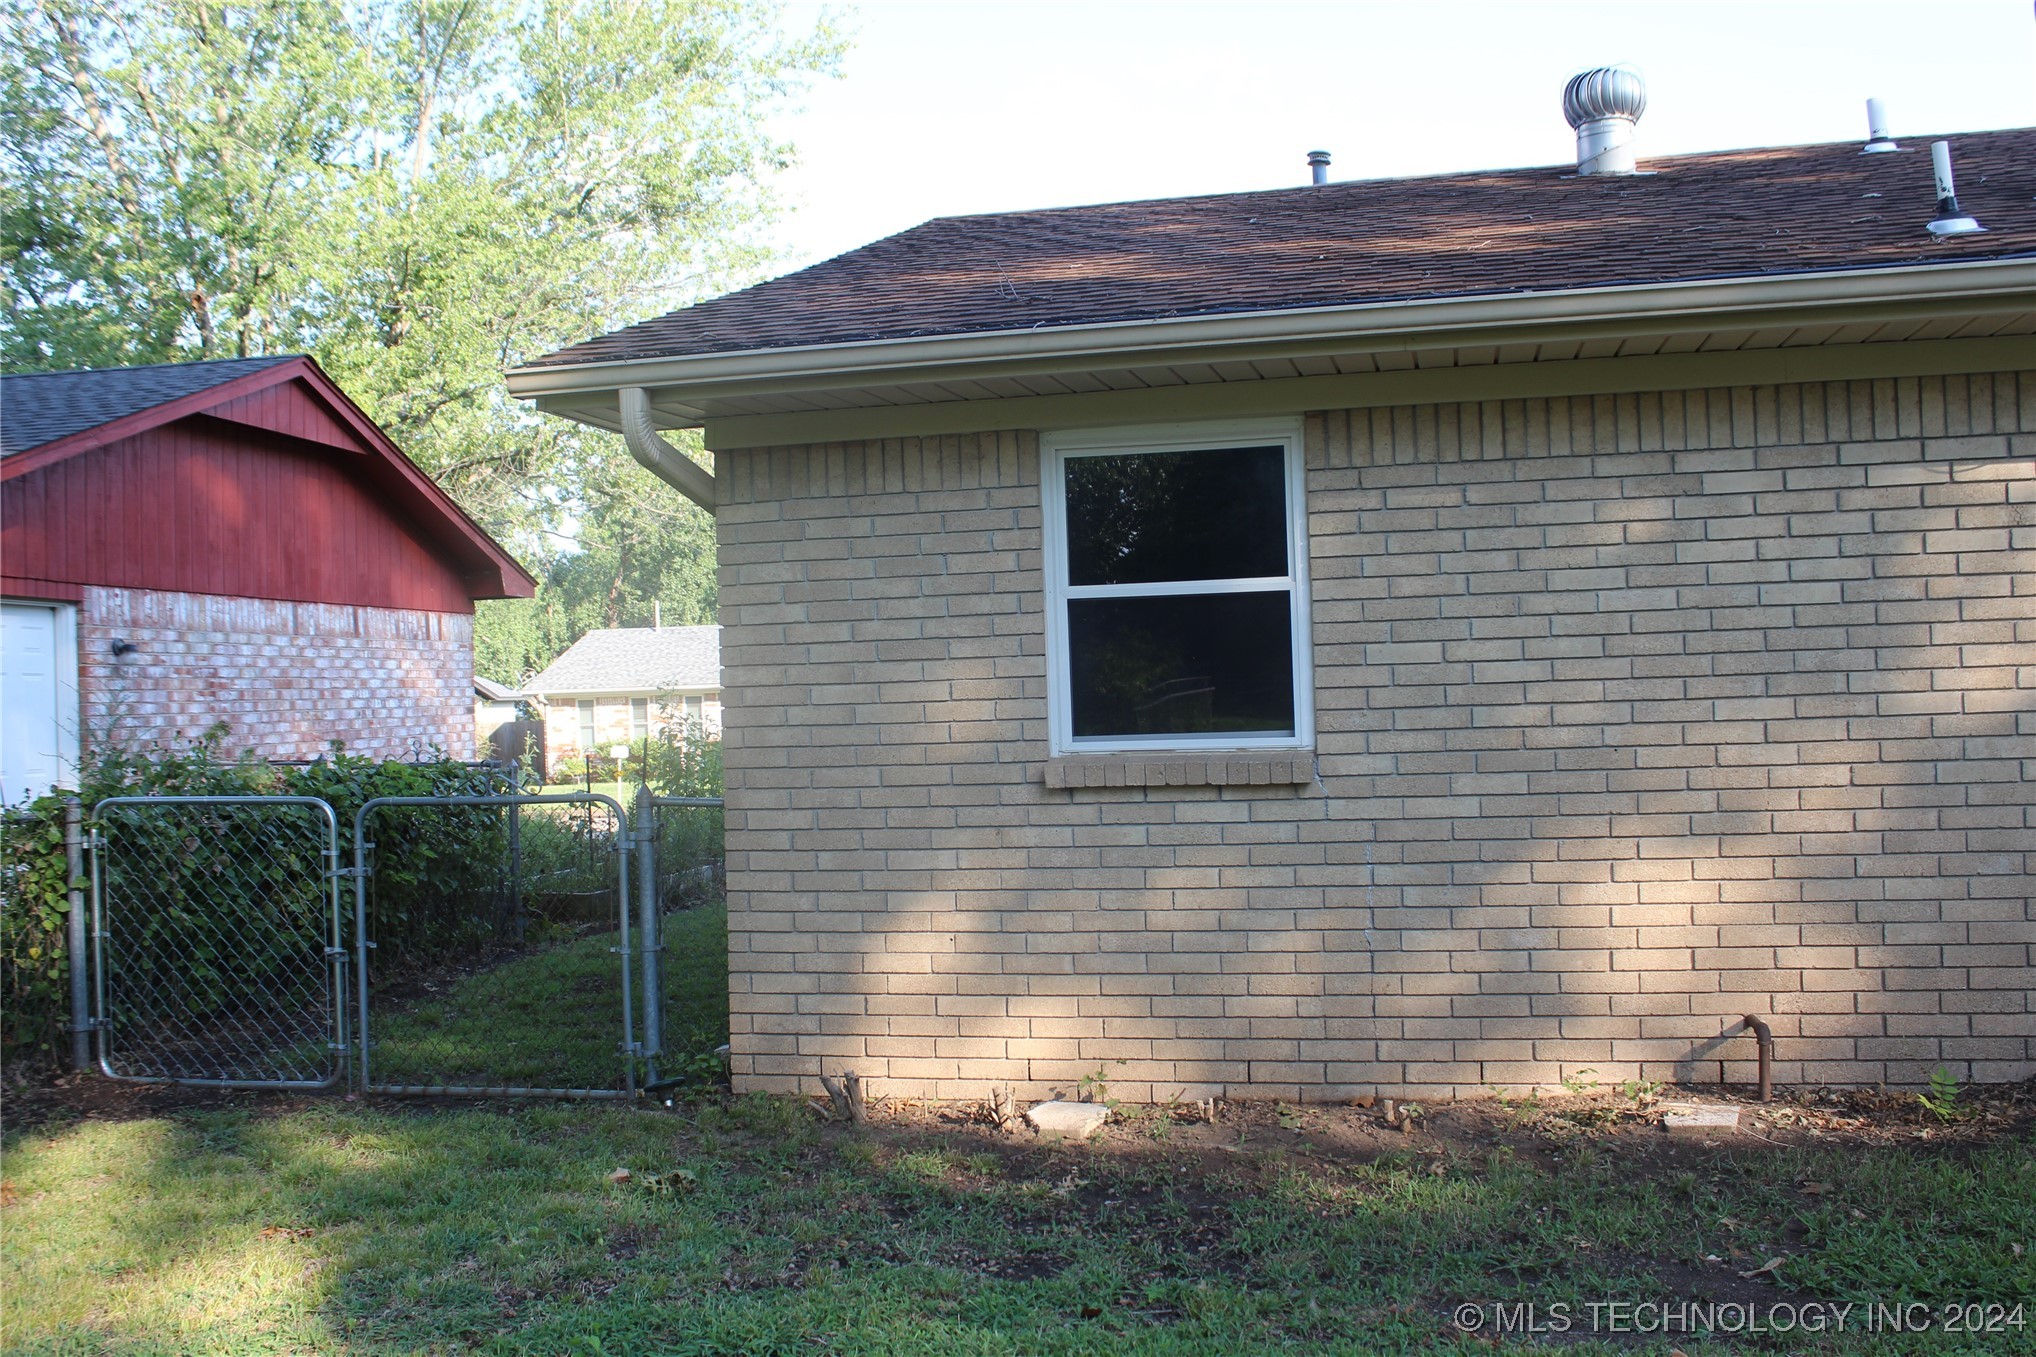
419,192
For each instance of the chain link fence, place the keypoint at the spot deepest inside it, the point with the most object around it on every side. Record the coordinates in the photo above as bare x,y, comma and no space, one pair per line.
501,944
495,946
679,870
217,941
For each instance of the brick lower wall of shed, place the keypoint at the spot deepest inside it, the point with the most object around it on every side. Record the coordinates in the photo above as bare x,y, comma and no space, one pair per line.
1636,714
287,678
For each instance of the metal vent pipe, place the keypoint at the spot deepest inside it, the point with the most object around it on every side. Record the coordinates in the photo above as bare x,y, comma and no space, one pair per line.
1877,138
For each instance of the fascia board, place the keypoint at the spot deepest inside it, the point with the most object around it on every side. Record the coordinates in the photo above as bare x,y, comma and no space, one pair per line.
1462,320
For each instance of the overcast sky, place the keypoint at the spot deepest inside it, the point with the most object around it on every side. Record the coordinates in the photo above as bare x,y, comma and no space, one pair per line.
966,106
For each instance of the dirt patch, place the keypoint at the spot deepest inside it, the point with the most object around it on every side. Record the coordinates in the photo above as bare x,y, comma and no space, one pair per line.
1539,1130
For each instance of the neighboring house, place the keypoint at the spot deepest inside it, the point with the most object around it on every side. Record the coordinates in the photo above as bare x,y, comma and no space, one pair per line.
227,541
621,684
1422,635
495,705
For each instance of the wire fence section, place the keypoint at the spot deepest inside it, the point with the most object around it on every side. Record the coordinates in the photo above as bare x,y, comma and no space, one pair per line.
679,845
495,946
217,945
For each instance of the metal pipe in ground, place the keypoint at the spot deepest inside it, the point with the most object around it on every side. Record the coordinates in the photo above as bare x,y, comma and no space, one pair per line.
76,939
1763,1035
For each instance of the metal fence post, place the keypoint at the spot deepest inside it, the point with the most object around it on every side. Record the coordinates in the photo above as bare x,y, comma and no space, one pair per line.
78,944
631,1047
649,929
361,943
516,916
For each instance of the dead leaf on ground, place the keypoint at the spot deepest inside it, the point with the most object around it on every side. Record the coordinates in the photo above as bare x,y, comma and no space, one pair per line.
620,1176
286,1232
671,1181
1764,1269
1815,1189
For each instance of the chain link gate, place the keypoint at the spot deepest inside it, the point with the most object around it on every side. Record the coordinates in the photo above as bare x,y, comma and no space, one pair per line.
677,839
502,945
217,953
502,970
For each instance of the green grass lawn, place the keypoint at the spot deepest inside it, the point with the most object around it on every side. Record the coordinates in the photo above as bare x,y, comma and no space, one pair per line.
251,1224
336,1228
551,1018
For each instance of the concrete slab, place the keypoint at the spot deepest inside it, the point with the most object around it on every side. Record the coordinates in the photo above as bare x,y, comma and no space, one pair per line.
1698,1118
1066,1120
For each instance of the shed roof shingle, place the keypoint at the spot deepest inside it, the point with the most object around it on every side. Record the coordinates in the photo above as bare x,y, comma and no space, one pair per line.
37,408
634,660
1779,210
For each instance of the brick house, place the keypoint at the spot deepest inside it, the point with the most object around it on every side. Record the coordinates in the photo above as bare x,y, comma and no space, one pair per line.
1416,635
227,541
617,685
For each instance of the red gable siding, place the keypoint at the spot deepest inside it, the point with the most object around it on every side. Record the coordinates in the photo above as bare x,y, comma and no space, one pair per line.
200,506
289,407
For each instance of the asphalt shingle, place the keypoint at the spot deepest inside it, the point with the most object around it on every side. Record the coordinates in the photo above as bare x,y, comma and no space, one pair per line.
37,408
1779,210
634,659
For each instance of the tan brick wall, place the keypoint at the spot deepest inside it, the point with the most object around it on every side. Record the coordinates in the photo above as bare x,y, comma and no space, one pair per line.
288,678
1636,714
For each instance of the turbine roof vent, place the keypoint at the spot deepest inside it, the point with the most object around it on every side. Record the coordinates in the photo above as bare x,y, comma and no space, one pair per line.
1603,105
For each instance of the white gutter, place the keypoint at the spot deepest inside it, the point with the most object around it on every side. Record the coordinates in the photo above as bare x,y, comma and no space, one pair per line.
658,457
1402,323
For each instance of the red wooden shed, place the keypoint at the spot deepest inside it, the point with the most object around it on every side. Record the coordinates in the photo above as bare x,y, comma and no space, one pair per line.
197,542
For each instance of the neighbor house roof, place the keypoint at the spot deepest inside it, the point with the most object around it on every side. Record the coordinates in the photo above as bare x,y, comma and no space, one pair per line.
634,660
492,691
49,417
40,407
1736,214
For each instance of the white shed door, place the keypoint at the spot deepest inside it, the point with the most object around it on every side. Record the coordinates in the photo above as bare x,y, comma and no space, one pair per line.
37,733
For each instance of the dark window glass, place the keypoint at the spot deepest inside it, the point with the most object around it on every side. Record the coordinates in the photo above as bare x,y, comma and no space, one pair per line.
1201,664
1150,517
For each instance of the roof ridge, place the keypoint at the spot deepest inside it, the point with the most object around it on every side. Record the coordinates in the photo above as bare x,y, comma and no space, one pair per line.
1564,169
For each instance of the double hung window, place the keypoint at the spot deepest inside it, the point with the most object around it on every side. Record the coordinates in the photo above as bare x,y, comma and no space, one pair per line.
1177,600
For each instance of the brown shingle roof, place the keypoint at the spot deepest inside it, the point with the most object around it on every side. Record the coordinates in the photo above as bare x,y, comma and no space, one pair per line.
1782,210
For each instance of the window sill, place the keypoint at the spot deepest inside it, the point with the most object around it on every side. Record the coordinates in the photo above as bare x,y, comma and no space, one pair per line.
1260,768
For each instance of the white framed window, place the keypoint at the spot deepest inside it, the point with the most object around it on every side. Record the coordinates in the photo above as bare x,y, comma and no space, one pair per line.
639,718
1177,588
586,706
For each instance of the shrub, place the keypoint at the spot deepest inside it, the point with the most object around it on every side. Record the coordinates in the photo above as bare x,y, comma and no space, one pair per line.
684,760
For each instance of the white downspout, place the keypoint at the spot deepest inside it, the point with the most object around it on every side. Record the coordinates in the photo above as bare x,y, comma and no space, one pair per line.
658,457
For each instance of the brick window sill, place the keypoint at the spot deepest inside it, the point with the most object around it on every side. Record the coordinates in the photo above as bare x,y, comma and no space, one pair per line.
1273,768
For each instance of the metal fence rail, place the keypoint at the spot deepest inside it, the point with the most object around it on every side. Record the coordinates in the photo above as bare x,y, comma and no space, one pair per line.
495,946
217,949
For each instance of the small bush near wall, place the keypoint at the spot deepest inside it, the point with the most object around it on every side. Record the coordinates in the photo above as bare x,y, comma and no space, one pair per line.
420,868
683,760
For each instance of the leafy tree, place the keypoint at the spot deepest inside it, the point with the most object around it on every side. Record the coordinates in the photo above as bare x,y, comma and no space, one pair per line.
420,193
